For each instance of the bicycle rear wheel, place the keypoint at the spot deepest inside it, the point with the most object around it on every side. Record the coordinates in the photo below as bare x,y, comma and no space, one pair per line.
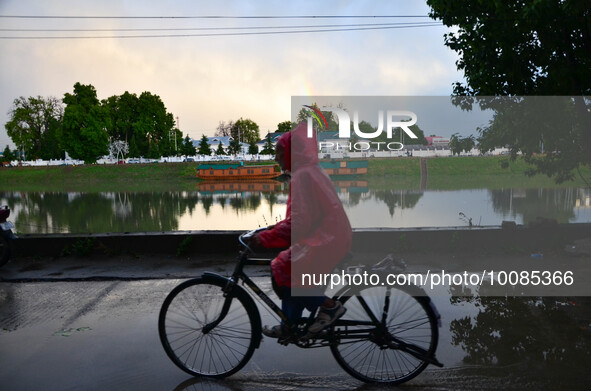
218,352
368,352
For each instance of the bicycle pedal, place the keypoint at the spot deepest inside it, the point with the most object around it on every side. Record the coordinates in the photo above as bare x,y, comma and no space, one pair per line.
309,335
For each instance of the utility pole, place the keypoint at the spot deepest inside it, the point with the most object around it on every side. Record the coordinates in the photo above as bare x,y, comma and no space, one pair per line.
173,132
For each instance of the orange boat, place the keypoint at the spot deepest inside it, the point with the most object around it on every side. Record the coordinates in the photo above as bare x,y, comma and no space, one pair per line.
237,171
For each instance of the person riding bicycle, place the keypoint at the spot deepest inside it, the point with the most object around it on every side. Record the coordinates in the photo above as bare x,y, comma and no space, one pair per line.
315,228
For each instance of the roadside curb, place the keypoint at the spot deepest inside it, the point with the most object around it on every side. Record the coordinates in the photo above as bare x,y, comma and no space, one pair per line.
490,240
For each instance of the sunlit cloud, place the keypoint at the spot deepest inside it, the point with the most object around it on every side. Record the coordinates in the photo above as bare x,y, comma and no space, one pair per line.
205,80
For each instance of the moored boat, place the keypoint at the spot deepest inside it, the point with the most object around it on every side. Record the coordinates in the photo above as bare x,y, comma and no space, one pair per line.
237,171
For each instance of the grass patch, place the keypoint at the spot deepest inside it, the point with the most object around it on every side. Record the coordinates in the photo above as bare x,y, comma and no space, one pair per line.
453,173
90,178
449,173
394,167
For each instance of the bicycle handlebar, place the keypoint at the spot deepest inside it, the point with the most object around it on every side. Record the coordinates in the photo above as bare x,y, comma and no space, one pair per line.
247,235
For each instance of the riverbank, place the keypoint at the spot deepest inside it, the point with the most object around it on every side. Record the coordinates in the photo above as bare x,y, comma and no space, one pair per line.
396,173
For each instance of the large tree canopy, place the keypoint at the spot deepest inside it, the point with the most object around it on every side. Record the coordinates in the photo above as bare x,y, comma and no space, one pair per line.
526,47
34,126
246,131
520,48
42,128
84,125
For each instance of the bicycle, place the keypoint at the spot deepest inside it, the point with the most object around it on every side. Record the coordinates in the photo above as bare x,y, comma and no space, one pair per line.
210,326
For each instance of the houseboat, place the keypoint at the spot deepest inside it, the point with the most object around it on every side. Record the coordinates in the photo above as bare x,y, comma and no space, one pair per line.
344,167
237,171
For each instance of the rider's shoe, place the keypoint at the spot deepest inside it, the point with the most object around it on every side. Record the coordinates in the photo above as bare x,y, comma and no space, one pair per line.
326,317
278,331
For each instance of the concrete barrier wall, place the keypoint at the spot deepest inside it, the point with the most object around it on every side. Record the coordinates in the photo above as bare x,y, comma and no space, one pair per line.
460,239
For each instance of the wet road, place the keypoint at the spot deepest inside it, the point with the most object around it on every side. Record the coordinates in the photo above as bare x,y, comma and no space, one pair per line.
102,335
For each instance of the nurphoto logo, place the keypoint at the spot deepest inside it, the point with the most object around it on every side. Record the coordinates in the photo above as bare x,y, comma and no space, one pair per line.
394,119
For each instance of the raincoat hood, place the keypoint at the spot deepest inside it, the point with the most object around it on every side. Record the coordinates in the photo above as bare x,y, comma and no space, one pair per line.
299,149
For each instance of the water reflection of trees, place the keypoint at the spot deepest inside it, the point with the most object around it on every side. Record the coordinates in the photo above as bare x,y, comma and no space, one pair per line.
531,204
397,199
55,212
99,212
547,334
61,212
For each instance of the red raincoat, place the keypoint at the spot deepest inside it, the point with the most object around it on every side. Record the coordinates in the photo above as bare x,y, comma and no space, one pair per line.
316,225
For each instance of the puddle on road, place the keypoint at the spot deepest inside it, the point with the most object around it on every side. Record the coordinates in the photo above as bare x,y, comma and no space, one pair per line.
485,342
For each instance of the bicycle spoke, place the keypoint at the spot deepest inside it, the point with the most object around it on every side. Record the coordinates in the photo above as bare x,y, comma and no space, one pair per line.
405,327
220,351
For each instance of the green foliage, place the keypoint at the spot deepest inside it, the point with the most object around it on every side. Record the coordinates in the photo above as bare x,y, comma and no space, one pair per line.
204,148
220,150
459,144
82,248
184,245
34,126
548,131
535,48
84,124
284,126
43,128
519,48
8,155
252,148
153,127
234,147
188,149
245,130
123,112
268,147
329,116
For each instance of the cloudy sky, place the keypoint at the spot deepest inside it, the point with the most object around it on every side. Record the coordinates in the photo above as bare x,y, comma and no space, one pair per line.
203,78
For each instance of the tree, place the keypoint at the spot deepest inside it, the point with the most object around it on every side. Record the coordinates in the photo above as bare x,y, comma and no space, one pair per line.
153,128
252,148
268,147
34,126
220,150
204,148
234,147
283,127
533,48
224,129
84,124
333,126
8,155
188,149
245,130
459,144
144,123
123,113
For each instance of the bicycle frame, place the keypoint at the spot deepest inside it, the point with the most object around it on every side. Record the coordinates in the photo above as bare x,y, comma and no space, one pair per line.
388,335
340,335
239,274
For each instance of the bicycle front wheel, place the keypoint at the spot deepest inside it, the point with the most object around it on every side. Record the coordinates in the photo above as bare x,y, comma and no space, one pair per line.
185,321
378,321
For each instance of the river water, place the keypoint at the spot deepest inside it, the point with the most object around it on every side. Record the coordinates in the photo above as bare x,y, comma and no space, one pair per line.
242,206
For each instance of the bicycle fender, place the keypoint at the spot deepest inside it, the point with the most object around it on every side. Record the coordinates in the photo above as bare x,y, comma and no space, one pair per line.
239,291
